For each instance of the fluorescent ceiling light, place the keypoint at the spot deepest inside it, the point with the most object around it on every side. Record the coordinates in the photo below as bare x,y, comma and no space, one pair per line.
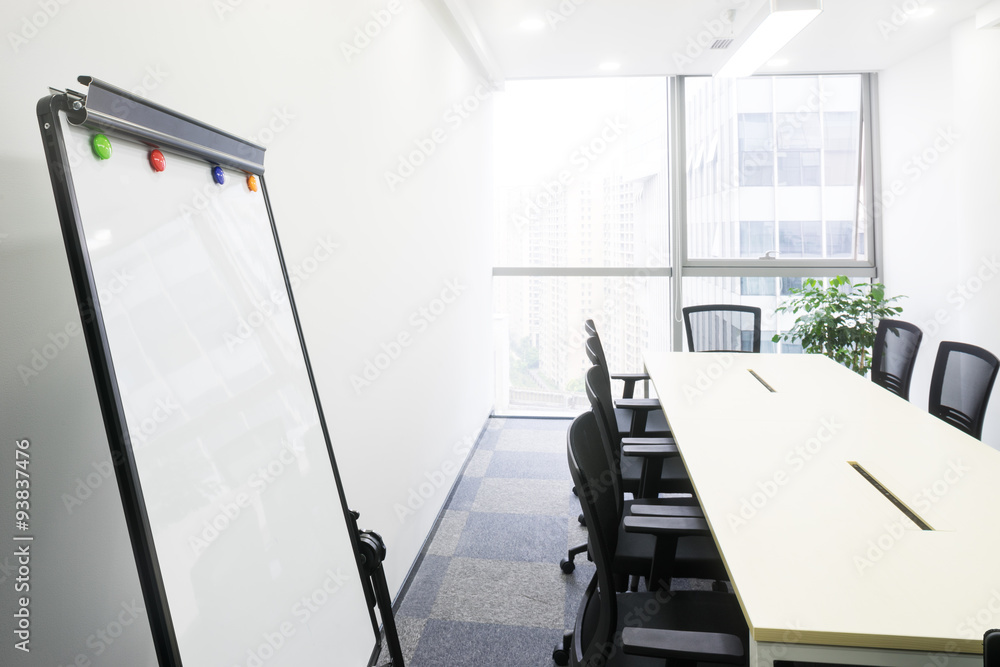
923,13
782,20
777,62
609,66
533,24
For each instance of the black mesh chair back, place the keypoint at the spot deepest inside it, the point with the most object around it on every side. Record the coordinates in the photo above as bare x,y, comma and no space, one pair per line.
722,328
693,617
595,352
599,393
894,355
591,474
961,383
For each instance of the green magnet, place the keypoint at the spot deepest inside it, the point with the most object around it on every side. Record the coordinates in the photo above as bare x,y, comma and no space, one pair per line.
102,146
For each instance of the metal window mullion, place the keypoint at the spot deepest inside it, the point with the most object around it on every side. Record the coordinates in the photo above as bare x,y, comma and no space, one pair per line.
870,109
677,175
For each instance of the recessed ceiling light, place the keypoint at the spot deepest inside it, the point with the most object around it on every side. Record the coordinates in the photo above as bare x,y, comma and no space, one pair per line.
778,62
609,66
533,24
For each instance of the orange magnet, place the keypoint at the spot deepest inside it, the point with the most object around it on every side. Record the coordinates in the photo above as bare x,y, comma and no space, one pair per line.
252,183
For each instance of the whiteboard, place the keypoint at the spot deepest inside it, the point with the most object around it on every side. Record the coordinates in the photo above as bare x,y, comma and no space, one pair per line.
243,503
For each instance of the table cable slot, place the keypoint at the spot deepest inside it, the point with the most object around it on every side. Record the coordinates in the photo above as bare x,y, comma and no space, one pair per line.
762,381
910,514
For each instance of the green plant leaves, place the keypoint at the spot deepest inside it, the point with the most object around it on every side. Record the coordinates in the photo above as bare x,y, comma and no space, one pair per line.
839,320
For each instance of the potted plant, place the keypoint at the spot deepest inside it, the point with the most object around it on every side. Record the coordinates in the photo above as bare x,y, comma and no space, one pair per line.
839,320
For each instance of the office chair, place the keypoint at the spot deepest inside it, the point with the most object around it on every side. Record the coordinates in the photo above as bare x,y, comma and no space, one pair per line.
894,355
624,629
634,416
961,383
630,379
722,328
654,468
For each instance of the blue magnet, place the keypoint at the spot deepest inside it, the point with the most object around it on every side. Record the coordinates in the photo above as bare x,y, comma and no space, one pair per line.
217,174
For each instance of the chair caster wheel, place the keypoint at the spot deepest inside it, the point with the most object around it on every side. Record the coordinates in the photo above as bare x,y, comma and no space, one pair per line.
567,566
720,587
583,522
560,656
574,492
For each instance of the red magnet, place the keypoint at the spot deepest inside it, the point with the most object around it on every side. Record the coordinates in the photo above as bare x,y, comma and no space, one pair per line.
252,183
157,161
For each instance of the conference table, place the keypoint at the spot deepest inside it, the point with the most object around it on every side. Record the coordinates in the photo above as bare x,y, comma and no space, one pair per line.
855,527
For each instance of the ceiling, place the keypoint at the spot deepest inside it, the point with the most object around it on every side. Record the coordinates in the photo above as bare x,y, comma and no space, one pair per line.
573,38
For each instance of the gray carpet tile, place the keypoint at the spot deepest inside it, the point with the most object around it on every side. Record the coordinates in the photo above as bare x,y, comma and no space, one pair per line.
448,532
479,462
502,592
521,496
457,644
548,441
423,591
513,537
538,424
528,465
489,589
465,493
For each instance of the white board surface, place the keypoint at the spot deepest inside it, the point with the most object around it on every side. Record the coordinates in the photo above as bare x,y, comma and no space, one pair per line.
246,515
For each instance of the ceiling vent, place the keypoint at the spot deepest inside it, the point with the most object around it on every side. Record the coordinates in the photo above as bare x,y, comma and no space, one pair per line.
724,43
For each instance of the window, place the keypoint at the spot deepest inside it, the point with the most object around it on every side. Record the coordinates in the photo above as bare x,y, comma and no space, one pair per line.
581,233
768,180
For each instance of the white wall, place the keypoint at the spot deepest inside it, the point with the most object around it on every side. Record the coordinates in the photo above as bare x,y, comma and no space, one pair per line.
333,125
941,146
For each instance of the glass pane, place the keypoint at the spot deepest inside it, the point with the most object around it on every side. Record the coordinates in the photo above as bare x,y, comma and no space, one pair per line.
785,157
539,339
580,173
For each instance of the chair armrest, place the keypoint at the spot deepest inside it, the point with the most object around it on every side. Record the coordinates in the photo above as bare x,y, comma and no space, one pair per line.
692,511
682,645
650,451
646,404
630,380
647,441
666,526
630,377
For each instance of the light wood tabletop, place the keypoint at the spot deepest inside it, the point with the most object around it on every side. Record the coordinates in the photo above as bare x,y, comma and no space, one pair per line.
817,553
